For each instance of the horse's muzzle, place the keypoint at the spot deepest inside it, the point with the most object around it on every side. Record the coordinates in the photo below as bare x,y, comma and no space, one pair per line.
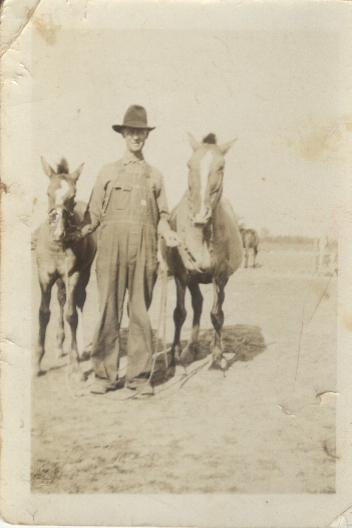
58,233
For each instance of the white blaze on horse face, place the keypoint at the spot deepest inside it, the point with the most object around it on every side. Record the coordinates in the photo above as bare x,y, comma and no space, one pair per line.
61,192
205,165
59,225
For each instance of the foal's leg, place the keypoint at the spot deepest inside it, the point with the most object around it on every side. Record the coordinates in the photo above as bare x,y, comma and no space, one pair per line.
217,318
46,284
179,318
72,315
190,350
60,335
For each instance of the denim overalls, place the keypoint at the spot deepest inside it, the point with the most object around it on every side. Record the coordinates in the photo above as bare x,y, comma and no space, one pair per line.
126,260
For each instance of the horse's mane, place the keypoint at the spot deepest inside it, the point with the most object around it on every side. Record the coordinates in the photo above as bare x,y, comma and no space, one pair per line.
62,167
210,139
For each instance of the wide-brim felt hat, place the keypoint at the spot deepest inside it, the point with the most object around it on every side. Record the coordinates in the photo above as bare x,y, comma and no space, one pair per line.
135,117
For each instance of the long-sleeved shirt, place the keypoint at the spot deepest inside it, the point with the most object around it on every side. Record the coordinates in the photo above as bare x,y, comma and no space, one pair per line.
109,176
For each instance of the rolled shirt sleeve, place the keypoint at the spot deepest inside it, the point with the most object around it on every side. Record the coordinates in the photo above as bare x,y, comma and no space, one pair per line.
161,200
97,199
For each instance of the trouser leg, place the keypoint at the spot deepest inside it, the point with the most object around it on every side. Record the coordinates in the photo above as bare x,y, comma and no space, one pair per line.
111,285
140,336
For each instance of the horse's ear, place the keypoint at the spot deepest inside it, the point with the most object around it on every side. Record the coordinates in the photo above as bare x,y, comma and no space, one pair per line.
75,175
49,171
225,147
193,142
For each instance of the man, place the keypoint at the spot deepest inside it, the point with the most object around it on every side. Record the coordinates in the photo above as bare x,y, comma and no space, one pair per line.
129,205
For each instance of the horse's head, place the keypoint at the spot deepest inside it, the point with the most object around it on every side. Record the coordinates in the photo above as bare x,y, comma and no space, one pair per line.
61,196
205,177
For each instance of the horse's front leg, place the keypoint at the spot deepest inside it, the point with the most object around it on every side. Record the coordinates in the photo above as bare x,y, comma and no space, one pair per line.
246,252
180,314
217,318
255,252
71,315
60,335
46,284
189,352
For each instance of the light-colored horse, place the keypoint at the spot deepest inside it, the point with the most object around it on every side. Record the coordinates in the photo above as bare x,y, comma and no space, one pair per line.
62,259
210,250
250,240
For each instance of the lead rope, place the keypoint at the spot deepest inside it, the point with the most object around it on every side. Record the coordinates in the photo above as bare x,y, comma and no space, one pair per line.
160,333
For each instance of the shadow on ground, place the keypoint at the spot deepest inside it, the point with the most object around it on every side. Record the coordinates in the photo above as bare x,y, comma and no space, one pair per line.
244,342
241,343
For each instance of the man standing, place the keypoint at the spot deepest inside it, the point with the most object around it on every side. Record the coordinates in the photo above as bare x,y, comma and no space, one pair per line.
129,205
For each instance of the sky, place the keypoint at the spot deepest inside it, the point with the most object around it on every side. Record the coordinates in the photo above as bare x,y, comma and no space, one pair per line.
277,92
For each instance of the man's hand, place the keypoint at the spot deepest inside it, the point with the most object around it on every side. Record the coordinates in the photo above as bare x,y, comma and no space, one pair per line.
86,230
80,233
171,238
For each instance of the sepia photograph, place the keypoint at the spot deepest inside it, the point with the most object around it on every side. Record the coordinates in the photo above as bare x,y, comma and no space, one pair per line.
176,188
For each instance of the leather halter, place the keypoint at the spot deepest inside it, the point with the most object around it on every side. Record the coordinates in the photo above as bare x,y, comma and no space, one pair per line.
69,228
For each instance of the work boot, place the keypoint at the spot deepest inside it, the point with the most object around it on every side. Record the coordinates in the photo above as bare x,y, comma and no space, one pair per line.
141,386
102,386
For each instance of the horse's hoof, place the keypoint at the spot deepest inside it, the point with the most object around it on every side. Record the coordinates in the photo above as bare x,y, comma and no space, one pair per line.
176,352
84,356
74,367
85,375
218,362
224,364
215,365
40,372
170,372
187,356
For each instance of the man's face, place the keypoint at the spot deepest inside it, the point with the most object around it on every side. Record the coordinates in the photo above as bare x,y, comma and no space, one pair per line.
135,138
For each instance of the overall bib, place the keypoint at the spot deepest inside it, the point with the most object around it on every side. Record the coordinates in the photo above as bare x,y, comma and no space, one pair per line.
126,260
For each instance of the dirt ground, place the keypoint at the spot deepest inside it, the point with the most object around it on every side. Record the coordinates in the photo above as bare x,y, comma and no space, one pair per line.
265,427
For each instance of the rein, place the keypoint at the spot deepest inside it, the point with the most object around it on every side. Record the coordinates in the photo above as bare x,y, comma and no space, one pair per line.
189,261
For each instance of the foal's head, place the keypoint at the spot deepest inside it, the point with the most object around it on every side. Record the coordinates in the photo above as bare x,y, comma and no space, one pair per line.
61,196
205,177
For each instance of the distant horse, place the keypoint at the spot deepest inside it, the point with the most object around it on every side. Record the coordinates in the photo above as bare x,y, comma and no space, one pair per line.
62,259
326,255
250,240
210,248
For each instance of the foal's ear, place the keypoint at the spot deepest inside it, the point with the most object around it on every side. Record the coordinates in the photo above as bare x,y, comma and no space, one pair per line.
193,142
225,147
75,175
49,171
